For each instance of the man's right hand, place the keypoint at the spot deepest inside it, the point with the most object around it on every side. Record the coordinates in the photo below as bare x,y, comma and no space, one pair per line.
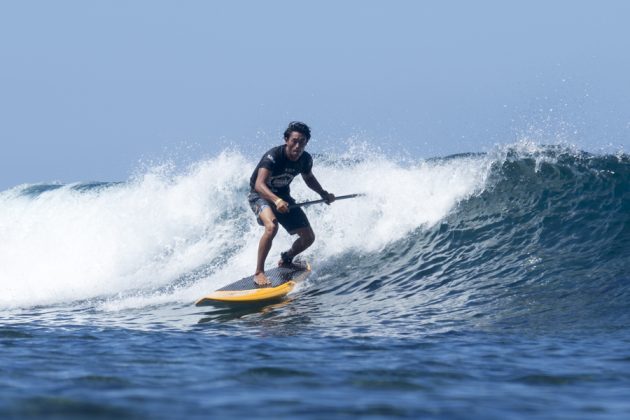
281,205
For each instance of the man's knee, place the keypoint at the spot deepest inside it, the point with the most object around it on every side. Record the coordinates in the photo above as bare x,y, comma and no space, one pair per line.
308,236
271,227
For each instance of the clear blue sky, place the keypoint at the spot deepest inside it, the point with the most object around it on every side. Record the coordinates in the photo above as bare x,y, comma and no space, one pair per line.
88,88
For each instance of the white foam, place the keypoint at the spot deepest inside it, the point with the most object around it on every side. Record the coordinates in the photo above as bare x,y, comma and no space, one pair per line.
130,240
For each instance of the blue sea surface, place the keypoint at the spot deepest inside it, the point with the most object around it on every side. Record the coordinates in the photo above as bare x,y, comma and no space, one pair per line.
511,303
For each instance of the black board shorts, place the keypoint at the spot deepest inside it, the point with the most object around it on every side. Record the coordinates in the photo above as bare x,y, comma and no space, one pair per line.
292,221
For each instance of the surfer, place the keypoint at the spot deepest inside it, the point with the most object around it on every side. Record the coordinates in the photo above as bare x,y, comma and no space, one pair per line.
270,197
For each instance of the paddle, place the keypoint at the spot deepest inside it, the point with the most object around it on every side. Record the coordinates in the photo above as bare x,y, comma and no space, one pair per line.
308,203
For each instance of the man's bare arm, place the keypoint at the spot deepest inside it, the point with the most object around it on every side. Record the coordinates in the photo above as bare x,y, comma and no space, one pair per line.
314,185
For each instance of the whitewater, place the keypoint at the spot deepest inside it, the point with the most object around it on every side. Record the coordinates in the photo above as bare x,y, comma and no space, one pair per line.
93,240
486,285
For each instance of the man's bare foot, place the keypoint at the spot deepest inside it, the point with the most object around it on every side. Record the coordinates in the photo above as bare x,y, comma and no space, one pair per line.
261,280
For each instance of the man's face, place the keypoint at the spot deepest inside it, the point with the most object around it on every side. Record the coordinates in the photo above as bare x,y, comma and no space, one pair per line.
295,145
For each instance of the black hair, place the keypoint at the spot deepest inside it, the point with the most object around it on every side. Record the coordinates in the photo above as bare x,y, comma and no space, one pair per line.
300,127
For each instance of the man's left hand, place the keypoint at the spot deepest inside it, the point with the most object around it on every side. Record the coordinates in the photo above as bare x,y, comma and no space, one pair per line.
328,197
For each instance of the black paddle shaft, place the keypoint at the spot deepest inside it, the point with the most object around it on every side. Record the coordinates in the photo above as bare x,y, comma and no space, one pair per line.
308,203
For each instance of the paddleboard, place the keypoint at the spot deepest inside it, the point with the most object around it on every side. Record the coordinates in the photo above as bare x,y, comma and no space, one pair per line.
283,280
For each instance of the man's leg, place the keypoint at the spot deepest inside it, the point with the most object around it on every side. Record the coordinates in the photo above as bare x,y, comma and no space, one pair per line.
306,237
271,228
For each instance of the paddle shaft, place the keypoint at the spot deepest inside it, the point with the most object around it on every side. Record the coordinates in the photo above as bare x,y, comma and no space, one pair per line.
308,203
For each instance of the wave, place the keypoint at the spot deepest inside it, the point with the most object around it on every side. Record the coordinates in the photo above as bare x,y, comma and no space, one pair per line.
544,244
526,233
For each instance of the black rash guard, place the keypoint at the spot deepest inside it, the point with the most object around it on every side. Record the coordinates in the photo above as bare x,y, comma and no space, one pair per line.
282,170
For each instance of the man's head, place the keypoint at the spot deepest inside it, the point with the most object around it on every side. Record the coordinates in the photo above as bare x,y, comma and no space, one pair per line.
296,136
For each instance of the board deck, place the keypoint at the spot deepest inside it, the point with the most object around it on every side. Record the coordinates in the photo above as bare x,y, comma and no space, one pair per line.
283,280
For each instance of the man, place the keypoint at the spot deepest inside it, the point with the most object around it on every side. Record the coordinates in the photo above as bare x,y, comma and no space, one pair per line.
270,196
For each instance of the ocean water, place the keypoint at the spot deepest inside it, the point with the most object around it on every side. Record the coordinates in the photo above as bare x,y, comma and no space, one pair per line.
490,286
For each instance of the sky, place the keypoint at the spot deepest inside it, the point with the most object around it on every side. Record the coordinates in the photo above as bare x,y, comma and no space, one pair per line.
93,90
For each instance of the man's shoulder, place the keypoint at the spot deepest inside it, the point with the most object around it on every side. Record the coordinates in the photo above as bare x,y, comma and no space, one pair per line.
275,152
273,155
306,157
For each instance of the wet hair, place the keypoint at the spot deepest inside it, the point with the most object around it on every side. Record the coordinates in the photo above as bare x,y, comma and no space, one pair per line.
300,127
